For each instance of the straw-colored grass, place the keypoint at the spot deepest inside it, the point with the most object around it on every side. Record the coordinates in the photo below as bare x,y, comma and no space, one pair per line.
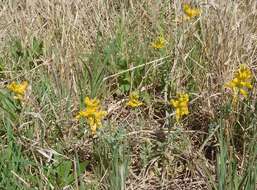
68,50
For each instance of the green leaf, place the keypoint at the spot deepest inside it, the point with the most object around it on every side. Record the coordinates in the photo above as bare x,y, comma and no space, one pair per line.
64,169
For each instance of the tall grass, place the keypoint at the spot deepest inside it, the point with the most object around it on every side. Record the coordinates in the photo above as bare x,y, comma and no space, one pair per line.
103,49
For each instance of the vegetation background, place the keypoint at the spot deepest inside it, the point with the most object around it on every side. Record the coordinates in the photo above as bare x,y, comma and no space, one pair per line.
68,50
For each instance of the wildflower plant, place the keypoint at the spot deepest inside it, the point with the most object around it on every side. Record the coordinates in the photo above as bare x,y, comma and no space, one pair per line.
181,105
19,89
190,11
93,114
134,100
241,82
158,43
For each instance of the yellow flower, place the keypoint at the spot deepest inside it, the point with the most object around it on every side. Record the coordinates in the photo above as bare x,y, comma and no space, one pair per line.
84,113
159,43
91,104
18,89
95,121
241,82
93,114
133,100
181,105
92,125
190,12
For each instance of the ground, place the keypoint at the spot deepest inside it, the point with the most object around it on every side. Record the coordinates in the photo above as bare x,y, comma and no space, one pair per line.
170,86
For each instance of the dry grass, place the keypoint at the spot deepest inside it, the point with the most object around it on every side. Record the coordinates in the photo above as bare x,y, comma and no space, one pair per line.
200,57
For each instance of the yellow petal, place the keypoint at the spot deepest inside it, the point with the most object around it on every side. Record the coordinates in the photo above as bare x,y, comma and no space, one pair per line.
247,85
159,43
243,92
81,114
134,103
133,100
91,103
18,88
181,105
90,121
191,12
174,103
184,111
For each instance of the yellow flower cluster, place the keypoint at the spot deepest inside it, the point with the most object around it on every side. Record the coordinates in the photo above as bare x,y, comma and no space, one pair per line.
190,12
159,43
241,81
93,114
181,105
19,89
134,100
